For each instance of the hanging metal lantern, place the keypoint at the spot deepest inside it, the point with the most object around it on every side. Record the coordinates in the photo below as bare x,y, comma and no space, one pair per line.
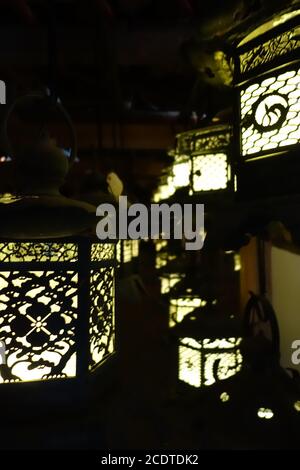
207,346
202,160
56,292
267,78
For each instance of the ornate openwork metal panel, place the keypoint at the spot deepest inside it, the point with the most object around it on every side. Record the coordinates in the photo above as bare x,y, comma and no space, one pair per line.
203,362
38,251
43,301
270,113
210,172
210,140
37,324
210,159
270,50
101,252
102,331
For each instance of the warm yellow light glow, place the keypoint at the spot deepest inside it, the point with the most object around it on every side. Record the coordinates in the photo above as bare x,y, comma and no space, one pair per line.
18,360
39,309
235,184
237,262
127,251
168,281
180,308
228,365
102,251
224,397
181,174
164,191
225,68
297,405
160,244
196,356
162,259
269,25
119,252
102,317
190,366
135,248
265,413
210,172
8,198
225,343
274,121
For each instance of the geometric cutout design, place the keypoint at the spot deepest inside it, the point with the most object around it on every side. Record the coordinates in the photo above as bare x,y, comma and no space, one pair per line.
270,113
210,172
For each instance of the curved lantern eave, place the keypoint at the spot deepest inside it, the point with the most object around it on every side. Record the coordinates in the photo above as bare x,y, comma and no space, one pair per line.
45,216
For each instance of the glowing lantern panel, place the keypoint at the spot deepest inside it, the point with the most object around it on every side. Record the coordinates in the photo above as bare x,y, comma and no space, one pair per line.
268,77
210,172
270,113
43,306
203,362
